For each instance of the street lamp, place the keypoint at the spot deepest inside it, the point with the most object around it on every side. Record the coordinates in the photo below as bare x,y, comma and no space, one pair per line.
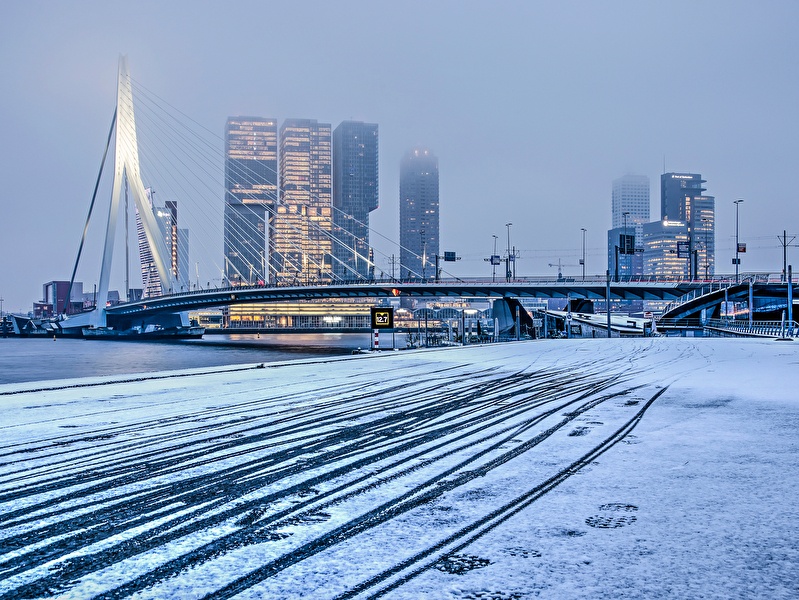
625,214
424,254
493,264
706,227
507,264
737,260
582,260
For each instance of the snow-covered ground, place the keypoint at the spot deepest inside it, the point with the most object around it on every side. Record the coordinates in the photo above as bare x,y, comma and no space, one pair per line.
650,468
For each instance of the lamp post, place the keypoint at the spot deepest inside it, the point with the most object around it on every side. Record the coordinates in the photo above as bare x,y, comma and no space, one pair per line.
582,260
625,214
424,254
706,227
493,265
737,260
507,263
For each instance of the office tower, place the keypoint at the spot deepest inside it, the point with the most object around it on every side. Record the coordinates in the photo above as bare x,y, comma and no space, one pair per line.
630,196
419,233
302,224
166,217
355,195
666,248
682,199
183,260
626,261
250,197
703,243
630,210
168,221
676,192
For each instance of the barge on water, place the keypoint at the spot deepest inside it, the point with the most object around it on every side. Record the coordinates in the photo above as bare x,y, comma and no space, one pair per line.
151,332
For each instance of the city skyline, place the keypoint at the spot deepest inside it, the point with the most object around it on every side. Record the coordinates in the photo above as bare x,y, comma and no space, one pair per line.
531,126
680,243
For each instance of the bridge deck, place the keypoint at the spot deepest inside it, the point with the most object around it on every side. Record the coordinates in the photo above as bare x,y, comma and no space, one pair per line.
592,289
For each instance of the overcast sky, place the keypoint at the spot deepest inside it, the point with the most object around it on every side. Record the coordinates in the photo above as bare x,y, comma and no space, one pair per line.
533,108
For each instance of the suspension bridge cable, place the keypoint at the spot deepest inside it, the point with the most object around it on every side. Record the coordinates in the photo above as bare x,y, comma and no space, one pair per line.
324,231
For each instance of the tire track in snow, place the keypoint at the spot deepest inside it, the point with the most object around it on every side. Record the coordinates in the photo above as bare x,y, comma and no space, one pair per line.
404,425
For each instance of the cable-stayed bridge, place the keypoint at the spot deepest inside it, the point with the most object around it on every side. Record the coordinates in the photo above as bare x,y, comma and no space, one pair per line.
153,149
590,288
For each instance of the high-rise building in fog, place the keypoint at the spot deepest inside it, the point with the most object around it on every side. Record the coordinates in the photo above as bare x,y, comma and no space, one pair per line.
682,199
630,210
355,195
301,237
250,197
419,214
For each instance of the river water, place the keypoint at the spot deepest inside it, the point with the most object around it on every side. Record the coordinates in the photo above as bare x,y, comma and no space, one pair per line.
32,359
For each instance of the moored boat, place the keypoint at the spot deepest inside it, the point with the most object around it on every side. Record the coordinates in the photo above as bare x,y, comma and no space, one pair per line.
151,332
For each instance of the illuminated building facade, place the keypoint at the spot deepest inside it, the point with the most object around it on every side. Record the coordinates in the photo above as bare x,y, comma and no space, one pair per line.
682,199
251,182
166,217
302,224
665,249
183,260
676,191
303,315
703,240
419,214
355,195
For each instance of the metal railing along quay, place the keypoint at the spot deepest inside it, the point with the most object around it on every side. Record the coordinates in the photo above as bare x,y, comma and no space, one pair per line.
770,329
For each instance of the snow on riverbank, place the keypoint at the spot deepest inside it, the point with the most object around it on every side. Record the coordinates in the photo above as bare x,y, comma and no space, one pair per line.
657,468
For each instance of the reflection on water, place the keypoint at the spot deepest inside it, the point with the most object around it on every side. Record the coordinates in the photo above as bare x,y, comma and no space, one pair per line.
29,359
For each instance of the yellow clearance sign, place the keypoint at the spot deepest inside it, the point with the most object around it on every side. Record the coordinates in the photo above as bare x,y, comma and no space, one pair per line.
382,318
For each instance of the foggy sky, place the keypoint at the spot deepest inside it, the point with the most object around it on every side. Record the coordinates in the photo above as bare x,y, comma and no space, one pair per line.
532,108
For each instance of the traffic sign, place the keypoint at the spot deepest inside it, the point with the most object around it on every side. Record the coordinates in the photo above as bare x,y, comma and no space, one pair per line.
382,317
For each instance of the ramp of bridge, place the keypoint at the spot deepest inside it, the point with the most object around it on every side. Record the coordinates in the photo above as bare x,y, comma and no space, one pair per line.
688,309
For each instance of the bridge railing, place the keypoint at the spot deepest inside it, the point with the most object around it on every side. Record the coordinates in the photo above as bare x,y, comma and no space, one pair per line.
693,294
590,279
722,282
756,328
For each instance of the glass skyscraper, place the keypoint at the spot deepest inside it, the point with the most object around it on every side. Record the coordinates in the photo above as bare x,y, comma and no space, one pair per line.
630,210
419,214
682,199
301,238
166,217
355,195
250,197
662,248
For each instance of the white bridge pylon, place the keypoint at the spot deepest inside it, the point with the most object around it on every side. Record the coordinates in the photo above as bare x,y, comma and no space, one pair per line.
126,167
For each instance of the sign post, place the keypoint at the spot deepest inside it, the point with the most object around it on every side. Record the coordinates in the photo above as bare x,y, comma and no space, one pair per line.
382,318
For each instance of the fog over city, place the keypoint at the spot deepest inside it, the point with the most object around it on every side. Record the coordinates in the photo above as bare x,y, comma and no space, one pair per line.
532,108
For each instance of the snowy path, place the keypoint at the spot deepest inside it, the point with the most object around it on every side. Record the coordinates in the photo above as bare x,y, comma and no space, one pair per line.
407,474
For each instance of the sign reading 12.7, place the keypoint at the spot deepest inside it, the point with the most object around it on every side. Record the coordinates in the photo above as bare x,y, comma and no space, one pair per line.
382,317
